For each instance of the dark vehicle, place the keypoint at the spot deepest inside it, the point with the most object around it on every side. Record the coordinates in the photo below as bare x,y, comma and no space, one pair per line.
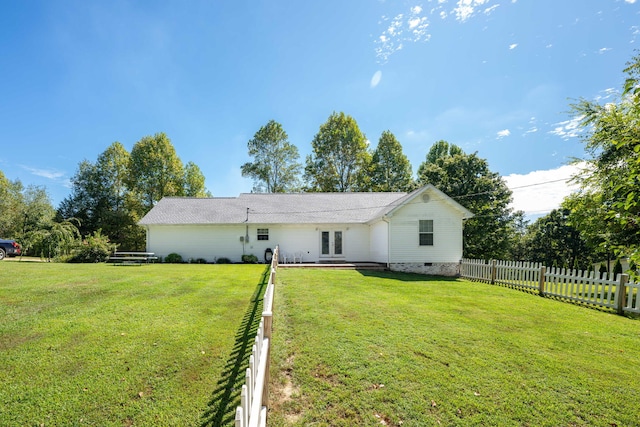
9,248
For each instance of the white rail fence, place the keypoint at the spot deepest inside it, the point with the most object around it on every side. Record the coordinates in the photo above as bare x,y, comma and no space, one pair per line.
615,293
254,397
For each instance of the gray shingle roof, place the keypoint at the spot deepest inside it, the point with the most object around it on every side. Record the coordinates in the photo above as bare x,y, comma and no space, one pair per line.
287,208
297,208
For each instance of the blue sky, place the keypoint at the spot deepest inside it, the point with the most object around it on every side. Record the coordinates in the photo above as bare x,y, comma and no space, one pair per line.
492,76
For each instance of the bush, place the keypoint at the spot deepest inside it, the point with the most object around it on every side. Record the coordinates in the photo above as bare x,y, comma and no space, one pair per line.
173,258
198,261
95,248
250,259
223,261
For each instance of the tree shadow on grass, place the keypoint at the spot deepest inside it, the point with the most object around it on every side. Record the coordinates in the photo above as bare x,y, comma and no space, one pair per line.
405,277
226,397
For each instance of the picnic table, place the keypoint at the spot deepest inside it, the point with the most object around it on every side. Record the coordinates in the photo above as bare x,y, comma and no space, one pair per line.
132,258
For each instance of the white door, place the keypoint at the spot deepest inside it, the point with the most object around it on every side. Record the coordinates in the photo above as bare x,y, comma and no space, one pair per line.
331,244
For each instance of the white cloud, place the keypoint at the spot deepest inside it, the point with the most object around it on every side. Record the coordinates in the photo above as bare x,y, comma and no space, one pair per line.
375,80
402,29
630,1
467,8
569,128
606,94
52,174
488,10
513,46
539,192
504,133
413,26
604,49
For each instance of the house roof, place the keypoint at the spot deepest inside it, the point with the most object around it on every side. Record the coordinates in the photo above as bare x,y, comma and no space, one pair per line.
281,208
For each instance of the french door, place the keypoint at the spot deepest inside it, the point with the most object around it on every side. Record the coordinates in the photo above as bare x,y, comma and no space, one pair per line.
331,244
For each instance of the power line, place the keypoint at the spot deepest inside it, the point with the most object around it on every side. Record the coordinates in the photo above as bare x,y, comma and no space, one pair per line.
394,204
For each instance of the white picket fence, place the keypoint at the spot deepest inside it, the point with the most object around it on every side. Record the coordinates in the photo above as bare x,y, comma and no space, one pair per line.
254,396
616,293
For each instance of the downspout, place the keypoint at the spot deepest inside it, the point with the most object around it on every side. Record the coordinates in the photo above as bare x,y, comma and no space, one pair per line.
246,233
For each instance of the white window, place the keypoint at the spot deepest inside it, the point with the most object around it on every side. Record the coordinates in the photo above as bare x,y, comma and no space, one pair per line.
263,234
425,232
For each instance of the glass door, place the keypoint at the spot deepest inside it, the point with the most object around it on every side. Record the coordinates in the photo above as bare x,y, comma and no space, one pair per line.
331,244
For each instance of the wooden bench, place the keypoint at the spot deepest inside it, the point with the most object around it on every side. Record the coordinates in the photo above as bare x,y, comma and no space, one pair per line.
132,258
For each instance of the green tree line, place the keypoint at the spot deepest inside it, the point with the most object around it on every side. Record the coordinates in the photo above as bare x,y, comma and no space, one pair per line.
599,222
108,197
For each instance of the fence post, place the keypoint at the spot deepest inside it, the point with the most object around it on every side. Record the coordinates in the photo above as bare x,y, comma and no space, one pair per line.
493,271
621,293
267,318
239,420
543,271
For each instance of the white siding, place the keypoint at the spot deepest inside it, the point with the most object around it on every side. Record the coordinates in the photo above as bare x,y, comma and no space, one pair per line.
196,241
356,243
379,242
216,241
447,233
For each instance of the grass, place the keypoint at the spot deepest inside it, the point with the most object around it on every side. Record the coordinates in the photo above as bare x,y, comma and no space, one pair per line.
118,346
365,348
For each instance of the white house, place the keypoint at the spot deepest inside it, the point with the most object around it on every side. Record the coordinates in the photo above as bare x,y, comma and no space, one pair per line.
419,231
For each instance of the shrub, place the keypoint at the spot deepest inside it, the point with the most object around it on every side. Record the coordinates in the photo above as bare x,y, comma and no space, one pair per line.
198,261
94,248
223,261
173,258
250,259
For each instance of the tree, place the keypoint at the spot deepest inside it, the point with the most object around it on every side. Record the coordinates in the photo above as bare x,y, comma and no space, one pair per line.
54,240
11,208
390,168
554,242
340,159
39,220
518,245
101,201
275,168
194,181
155,171
441,149
467,179
612,144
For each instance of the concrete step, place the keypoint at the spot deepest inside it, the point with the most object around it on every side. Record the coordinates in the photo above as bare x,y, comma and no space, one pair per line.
338,265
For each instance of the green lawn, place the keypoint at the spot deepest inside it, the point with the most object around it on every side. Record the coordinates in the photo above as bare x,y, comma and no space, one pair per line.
394,349
102,345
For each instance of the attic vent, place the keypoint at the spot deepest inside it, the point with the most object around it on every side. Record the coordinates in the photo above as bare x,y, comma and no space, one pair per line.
425,198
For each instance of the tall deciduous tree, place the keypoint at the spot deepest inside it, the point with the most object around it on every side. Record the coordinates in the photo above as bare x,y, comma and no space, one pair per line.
11,208
155,170
612,177
441,149
100,199
552,241
467,179
110,196
194,181
275,167
390,168
340,158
